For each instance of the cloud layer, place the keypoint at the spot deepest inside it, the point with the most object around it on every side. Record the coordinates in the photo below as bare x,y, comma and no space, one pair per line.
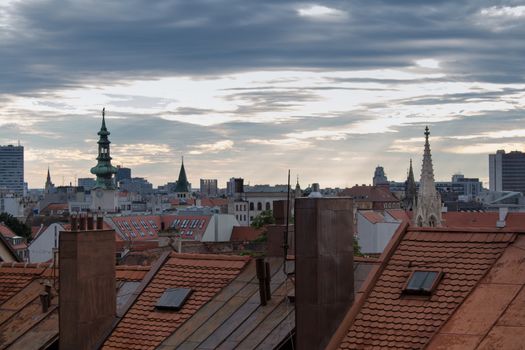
251,88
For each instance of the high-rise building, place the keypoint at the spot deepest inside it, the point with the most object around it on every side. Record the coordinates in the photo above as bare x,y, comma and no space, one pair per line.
209,187
12,169
507,171
122,174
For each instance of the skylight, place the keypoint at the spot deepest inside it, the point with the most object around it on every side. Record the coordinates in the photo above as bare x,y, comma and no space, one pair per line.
422,282
173,298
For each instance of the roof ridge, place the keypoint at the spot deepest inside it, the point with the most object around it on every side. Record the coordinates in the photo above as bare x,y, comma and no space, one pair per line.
195,256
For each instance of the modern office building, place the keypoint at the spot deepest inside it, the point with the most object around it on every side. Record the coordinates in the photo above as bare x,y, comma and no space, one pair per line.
122,174
12,169
507,171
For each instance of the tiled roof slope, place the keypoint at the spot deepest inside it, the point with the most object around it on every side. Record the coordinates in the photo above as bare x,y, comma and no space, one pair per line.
23,325
493,316
383,317
234,318
144,327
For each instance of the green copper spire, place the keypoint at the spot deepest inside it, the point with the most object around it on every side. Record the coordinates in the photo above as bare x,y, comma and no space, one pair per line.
182,182
104,170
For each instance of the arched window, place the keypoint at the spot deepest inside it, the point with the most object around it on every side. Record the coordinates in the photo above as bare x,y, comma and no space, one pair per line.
259,206
251,206
267,205
432,221
419,221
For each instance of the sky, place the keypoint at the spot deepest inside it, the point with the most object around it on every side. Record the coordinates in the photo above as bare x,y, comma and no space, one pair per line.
242,88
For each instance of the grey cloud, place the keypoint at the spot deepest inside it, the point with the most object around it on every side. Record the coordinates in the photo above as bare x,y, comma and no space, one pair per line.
66,43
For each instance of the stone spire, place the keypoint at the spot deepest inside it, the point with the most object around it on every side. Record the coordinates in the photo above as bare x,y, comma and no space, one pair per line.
298,193
182,182
410,200
104,170
49,185
428,208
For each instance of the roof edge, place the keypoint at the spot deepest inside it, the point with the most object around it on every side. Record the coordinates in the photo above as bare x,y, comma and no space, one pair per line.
369,283
191,256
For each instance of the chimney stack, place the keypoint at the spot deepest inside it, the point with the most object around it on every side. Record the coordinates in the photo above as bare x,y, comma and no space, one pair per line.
324,268
87,285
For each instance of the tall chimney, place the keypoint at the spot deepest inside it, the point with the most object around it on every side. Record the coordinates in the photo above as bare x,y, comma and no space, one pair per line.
324,268
87,287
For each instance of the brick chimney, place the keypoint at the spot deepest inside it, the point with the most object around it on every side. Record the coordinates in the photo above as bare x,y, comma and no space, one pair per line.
87,284
324,268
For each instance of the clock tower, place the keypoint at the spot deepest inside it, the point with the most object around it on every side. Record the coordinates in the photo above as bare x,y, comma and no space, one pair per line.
103,194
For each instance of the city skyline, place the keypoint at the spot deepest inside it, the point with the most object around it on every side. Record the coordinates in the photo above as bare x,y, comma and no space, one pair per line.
329,90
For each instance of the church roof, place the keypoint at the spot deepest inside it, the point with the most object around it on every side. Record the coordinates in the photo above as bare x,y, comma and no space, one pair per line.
182,182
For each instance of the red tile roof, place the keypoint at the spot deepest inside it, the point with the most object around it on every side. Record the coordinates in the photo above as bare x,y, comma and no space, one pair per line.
213,202
369,193
373,216
384,317
399,214
513,221
144,327
245,233
6,231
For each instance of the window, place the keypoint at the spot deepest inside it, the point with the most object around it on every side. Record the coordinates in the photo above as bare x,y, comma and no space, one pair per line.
173,298
251,206
422,282
267,205
259,206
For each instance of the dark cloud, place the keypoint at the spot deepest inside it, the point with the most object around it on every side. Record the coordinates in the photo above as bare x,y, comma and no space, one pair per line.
52,43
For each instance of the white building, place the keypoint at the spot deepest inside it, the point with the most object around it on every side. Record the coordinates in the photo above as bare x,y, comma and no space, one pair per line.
42,246
376,228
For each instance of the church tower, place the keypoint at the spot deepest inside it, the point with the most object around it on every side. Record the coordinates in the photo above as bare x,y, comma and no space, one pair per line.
49,187
104,192
428,208
410,200
183,187
298,192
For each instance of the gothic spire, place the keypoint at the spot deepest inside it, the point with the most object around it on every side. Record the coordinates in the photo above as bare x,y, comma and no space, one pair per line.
428,211
410,200
182,182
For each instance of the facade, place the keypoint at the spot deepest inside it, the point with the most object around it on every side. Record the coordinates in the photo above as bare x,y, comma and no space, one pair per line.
122,174
12,169
376,228
208,187
87,183
137,185
507,171
104,192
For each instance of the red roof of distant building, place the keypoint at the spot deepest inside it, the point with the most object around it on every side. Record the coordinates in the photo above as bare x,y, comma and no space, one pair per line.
6,231
213,202
369,193
373,216
145,327
245,233
56,207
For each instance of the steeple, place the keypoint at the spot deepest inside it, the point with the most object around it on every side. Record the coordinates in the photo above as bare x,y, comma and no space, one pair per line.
104,170
49,185
410,200
428,209
298,193
182,183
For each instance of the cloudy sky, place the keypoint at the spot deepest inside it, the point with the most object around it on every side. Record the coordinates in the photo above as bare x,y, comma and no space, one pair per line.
329,89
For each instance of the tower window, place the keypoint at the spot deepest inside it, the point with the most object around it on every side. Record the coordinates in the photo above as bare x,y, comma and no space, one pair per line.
422,282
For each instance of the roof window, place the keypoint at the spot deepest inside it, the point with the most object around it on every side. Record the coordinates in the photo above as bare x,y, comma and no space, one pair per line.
422,282
173,298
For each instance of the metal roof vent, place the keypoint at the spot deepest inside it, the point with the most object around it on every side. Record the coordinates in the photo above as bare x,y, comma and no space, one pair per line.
173,298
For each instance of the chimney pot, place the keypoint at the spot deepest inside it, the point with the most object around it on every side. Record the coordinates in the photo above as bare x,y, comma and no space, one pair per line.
82,223
45,301
73,222
90,222
261,274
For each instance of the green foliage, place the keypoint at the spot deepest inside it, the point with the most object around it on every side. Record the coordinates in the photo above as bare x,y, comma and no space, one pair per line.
357,248
264,218
18,227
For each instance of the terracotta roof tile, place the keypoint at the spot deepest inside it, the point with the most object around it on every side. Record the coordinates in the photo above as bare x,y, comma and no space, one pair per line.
245,233
390,319
6,231
144,327
16,276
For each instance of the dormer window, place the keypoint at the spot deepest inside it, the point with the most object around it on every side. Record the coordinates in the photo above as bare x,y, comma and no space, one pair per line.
422,282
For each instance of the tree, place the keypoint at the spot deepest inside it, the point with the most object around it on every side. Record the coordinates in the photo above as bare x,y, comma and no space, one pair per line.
357,248
264,218
18,227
